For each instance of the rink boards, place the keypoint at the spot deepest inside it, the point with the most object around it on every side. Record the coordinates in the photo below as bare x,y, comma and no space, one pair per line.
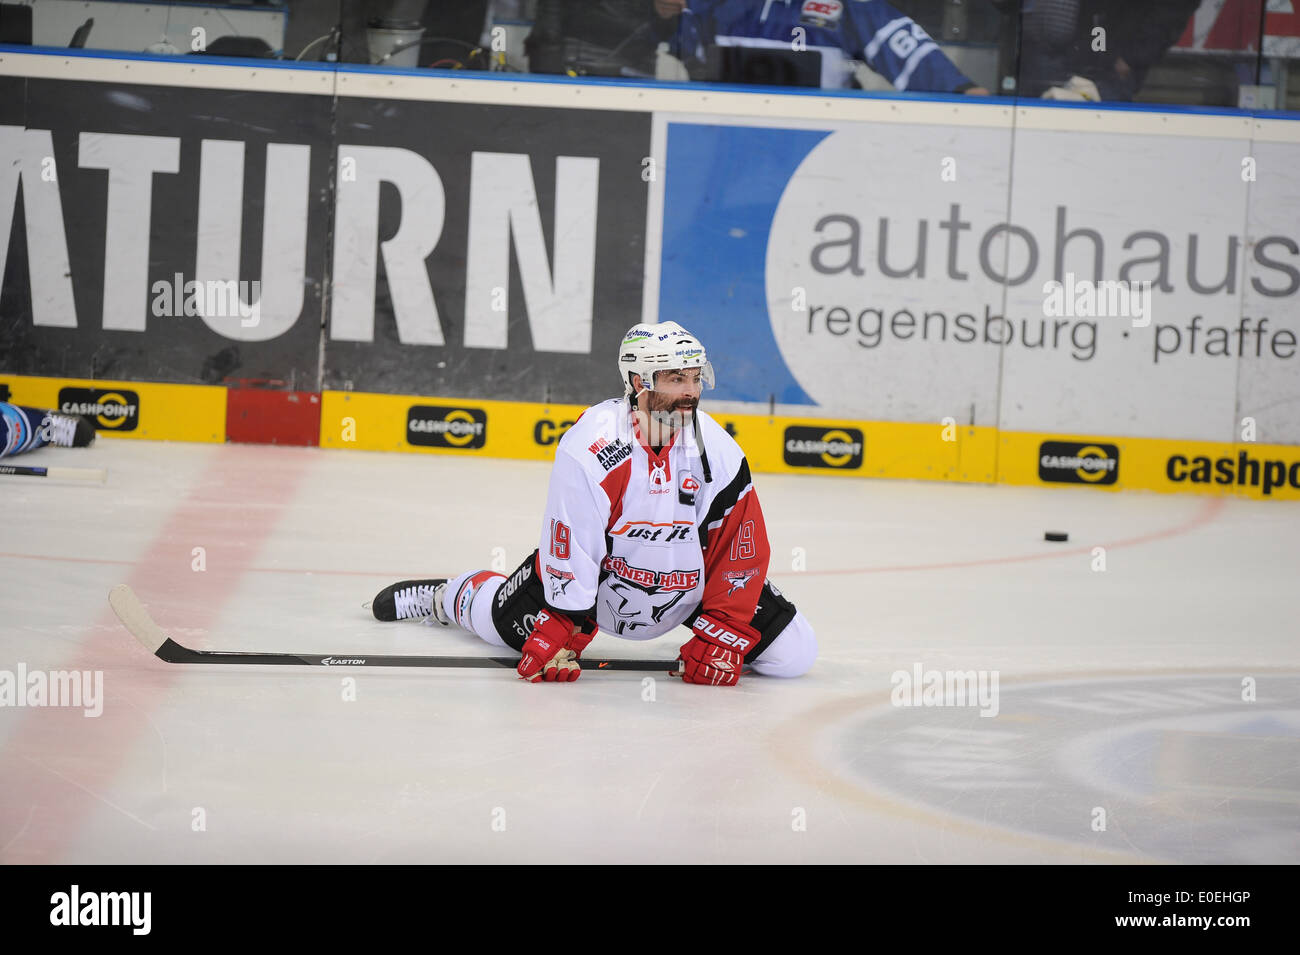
129,409
817,446
784,443
870,273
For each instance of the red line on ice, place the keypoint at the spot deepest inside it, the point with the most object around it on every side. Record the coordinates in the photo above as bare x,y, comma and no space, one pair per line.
59,767
1207,513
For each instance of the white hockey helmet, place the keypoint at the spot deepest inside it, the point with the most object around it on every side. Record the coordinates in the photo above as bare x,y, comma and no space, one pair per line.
662,347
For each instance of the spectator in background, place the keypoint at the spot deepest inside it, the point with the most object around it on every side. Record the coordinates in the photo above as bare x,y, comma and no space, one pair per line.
1057,55
839,31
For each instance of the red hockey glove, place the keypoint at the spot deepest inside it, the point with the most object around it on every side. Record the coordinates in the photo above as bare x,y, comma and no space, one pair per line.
551,652
563,667
714,655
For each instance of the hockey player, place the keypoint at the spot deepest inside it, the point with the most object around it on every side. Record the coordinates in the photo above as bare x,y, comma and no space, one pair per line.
25,429
871,31
651,521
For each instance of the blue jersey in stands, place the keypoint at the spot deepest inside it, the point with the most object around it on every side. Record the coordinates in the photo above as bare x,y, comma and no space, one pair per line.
892,44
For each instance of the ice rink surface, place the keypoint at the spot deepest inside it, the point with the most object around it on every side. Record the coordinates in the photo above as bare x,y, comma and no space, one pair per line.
1149,711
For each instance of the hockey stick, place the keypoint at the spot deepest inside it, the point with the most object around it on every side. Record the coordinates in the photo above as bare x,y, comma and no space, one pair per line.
66,474
136,619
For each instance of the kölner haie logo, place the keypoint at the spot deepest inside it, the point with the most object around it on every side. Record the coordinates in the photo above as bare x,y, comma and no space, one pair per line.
824,447
1073,462
112,409
436,426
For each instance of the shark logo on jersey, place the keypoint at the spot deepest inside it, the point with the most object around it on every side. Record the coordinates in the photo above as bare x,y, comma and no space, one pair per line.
644,595
639,607
737,579
560,579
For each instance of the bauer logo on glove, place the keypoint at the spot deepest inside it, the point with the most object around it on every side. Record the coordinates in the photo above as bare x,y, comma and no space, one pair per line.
711,656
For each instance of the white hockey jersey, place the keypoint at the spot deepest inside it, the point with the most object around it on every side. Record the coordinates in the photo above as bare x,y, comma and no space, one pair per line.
641,541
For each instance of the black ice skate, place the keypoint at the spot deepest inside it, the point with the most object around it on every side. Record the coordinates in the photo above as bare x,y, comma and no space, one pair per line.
411,600
68,430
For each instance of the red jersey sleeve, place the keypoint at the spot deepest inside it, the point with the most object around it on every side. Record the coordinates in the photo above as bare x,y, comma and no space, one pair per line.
736,555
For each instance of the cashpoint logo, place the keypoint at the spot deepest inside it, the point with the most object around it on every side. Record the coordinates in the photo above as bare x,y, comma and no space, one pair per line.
434,426
807,447
546,431
1071,462
111,410
1244,471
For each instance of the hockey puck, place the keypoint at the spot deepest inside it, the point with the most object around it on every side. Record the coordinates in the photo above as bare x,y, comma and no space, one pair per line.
1056,536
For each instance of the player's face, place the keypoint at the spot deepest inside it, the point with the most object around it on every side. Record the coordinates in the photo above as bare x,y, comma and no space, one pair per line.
677,389
674,399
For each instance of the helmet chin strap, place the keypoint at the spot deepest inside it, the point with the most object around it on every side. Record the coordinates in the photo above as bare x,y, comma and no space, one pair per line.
704,455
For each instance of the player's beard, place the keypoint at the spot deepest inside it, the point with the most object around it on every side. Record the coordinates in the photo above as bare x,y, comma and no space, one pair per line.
668,414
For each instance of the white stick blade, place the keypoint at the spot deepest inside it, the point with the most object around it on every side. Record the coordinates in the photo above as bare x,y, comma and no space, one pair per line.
135,618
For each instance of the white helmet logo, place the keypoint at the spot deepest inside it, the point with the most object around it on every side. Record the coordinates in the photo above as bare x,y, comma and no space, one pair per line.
666,346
